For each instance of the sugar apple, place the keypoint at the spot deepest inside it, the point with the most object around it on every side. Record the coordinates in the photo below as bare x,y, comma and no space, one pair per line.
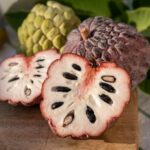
46,26
101,39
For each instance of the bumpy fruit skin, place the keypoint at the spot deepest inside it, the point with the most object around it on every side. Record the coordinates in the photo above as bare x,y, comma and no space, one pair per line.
81,101
46,27
101,39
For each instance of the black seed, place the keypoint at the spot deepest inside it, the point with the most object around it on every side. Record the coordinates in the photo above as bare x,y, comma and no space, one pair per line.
90,114
13,64
76,67
60,89
32,81
107,87
70,76
68,119
39,67
36,75
106,99
56,105
108,78
14,79
40,60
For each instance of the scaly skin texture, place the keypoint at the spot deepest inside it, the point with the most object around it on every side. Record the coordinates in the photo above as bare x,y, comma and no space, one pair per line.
46,27
101,39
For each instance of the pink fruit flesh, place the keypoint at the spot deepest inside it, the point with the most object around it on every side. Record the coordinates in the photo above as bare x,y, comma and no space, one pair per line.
79,100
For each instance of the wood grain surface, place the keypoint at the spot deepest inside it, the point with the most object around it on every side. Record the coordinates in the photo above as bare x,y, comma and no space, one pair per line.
23,128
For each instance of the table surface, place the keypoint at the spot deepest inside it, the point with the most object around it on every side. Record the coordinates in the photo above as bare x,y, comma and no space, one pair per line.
23,128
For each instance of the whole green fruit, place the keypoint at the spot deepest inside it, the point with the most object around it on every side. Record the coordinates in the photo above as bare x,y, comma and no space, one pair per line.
46,26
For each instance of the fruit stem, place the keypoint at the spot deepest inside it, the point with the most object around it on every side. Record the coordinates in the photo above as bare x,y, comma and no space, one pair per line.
84,33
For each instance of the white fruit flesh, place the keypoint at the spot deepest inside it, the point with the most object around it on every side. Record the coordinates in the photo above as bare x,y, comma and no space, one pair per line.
93,96
21,78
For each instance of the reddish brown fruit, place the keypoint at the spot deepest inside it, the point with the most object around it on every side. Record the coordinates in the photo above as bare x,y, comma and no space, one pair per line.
101,39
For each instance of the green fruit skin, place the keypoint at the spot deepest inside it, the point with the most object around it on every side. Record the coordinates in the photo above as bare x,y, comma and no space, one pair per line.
46,26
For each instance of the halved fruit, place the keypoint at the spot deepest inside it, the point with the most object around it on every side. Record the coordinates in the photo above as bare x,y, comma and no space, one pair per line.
21,77
79,100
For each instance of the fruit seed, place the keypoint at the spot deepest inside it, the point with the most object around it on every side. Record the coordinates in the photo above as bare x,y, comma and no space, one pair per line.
90,114
27,91
60,89
108,78
56,105
70,76
106,99
107,87
14,79
69,118
76,67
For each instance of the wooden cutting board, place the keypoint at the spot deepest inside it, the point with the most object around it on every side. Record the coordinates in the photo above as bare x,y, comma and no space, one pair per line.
23,128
